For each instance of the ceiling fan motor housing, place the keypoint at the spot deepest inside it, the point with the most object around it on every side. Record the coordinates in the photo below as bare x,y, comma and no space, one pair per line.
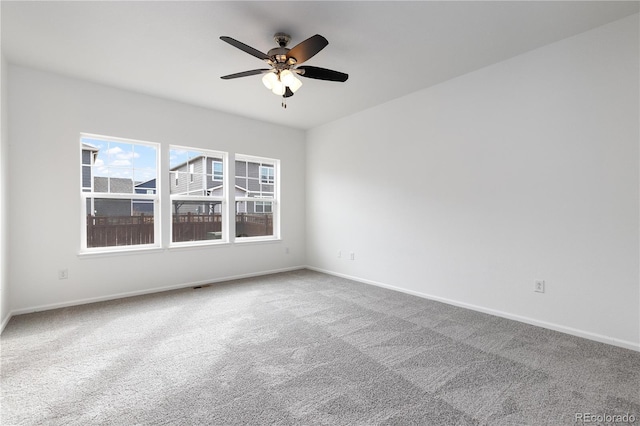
282,39
278,54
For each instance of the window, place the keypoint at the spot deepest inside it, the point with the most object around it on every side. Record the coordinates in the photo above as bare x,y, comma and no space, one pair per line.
257,198
266,174
197,212
263,207
119,193
216,167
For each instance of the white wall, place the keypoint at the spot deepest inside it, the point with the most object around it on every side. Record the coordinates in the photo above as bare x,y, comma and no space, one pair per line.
470,190
4,174
48,112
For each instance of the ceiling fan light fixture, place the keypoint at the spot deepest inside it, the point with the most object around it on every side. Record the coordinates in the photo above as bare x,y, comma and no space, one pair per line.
287,77
295,85
269,80
278,88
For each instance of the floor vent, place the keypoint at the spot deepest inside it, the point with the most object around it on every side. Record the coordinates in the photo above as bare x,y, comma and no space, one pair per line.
202,286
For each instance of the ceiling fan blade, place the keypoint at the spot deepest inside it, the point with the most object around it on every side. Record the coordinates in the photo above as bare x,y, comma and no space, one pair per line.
323,74
250,50
288,93
308,48
244,74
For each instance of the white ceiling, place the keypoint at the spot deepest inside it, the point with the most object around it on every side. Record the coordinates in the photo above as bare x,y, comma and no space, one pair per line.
389,49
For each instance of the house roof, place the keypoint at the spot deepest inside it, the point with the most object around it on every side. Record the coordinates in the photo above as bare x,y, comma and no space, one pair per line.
151,183
185,162
89,147
121,185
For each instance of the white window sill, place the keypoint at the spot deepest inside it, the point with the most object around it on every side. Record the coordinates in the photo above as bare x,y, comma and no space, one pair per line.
198,244
109,251
247,240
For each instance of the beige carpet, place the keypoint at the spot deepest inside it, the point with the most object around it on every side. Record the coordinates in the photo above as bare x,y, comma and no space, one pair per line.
302,348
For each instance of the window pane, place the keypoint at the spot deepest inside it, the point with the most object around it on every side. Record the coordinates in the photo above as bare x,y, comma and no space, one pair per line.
119,222
194,172
254,218
256,179
118,167
196,220
144,157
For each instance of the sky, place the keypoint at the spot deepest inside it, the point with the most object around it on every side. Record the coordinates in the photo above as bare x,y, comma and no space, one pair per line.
133,160
124,160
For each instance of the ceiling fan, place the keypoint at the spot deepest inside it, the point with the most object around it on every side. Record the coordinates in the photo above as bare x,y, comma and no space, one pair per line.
281,77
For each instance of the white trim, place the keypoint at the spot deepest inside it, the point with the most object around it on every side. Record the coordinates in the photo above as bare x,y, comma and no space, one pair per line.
204,154
119,196
157,215
148,291
197,198
198,244
120,250
255,159
6,321
257,239
551,326
274,196
117,139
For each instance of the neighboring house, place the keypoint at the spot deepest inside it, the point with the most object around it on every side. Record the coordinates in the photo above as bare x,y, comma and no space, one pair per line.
257,181
144,206
89,156
198,176
201,176
110,207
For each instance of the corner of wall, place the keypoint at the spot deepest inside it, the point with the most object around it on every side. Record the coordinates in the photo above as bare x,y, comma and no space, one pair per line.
5,313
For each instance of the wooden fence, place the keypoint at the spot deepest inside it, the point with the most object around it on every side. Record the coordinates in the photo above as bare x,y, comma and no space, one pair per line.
106,231
132,230
253,225
196,227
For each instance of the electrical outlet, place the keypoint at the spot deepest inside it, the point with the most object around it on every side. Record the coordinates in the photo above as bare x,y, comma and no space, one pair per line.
339,254
286,250
352,256
539,286
63,274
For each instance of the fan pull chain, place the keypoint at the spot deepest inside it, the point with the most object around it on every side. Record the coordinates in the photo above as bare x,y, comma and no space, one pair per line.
284,102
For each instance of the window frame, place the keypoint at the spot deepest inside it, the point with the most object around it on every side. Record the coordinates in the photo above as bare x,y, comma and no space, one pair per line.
227,203
275,199
223,199
86,195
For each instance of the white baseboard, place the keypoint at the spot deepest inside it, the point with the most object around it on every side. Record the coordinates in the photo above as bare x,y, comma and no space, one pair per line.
5,321
141,292
551,326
